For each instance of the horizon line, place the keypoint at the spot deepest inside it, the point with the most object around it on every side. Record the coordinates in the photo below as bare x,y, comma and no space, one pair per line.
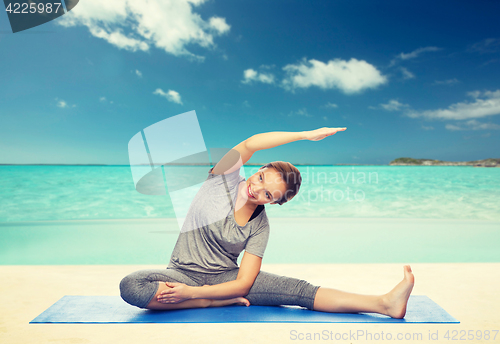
253,164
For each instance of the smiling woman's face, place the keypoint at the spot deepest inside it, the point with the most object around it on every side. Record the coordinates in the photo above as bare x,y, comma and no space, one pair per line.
265,186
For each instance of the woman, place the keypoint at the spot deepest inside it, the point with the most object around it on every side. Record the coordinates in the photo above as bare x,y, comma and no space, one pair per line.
226,217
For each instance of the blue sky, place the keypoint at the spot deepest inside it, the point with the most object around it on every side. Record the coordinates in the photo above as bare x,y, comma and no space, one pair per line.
417,79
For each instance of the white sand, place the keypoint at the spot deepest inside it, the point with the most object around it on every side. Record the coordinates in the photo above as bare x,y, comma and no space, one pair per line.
469,292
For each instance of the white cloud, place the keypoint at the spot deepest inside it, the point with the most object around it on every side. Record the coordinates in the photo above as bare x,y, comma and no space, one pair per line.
170,25
301,112
246,104
267,66
171,95
331,105
118,39
452,127
427,127
349,76
417,52
393,105
449,82
408,56
484,104
105,100
406,73
412,55
219,24
138,73
490,61
62,104
489,45
251,75
473,125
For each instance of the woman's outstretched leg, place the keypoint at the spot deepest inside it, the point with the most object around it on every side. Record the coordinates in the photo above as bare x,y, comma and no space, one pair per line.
392,304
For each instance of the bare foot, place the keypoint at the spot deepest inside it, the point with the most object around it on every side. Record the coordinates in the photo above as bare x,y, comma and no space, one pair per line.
241,301
395,301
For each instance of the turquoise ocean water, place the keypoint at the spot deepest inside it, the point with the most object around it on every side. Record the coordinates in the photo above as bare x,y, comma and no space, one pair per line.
363,214
46,193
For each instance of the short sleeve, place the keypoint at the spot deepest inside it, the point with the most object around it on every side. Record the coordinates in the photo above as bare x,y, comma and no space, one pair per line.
231,180
257,241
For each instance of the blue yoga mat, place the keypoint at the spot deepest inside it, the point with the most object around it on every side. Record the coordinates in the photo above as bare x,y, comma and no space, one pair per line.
112,309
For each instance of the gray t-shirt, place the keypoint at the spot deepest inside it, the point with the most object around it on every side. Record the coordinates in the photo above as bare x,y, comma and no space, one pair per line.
211,240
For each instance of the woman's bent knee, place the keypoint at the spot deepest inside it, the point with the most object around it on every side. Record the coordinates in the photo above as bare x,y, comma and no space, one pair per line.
138,290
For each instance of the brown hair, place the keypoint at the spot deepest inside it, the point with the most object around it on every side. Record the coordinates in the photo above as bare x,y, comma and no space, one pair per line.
290,175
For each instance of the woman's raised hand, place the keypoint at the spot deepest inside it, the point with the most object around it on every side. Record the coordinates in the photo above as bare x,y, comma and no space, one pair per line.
320,134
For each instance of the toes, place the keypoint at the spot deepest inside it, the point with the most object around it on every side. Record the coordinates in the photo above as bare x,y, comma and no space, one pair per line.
244,302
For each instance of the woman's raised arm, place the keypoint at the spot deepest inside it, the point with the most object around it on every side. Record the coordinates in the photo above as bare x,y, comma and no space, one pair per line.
278,138
257,142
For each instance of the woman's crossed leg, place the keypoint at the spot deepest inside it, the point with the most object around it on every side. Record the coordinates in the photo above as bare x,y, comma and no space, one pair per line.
143,287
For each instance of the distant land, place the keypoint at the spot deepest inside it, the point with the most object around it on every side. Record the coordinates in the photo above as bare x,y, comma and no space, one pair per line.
430,162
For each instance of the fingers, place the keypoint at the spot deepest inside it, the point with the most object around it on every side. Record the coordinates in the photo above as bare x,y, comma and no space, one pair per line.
328,129
332,131
160,300
171,290
166,301
335,130
166,298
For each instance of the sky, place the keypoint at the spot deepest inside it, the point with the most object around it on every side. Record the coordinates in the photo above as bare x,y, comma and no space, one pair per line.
407,79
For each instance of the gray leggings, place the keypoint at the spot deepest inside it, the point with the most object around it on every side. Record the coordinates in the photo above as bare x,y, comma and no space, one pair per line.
139,288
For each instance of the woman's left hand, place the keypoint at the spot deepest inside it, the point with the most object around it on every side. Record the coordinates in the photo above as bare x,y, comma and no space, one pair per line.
320,134
177,292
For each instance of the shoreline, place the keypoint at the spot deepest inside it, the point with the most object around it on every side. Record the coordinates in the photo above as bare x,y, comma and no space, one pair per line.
314,241
158,219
